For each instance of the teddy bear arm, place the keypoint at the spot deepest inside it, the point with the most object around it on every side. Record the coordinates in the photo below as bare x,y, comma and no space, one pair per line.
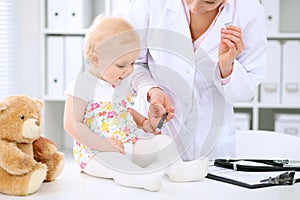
13,160
44,148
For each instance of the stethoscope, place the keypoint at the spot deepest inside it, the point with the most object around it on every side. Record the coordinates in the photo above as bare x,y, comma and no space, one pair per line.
273,165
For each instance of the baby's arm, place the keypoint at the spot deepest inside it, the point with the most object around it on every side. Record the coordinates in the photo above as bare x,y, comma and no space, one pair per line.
74,126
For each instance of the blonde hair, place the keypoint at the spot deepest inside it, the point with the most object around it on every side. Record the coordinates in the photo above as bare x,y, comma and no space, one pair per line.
105,28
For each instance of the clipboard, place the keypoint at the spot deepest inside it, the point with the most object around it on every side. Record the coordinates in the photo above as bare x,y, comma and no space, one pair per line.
251,179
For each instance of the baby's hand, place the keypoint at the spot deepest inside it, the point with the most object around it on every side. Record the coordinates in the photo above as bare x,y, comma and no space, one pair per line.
147,127
141,121
114,145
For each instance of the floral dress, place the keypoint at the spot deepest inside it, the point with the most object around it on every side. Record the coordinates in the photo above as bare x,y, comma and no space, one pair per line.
109,120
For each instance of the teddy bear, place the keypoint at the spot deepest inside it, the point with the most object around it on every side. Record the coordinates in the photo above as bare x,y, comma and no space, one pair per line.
26,158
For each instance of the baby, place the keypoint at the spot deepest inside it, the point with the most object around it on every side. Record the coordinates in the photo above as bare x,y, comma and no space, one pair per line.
100,118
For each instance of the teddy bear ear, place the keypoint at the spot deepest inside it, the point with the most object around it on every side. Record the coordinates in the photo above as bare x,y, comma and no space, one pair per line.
39,103
3,106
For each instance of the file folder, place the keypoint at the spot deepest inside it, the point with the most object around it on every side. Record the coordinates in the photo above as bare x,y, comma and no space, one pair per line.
288,124
55,66
77,14
69,14
272,16
291,71
271,86
56,14
73,57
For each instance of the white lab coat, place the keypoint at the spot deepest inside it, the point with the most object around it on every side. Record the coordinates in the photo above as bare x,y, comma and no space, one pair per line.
204,121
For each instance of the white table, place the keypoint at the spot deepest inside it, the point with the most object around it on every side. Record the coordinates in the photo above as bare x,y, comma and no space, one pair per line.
74,185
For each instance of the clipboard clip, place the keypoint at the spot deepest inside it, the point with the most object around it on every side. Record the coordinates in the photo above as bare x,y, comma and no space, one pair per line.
286,178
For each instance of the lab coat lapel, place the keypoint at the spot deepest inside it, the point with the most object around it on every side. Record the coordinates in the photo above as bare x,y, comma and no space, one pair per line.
175,14
213,38
171,39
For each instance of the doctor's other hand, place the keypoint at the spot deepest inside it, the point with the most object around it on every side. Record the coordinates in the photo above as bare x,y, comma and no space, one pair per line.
155,114
231,45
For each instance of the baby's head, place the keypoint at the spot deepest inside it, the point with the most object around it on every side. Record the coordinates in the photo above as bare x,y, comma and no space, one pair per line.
111,47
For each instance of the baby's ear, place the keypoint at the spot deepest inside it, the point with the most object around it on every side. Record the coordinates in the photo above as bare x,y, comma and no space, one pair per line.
3,106
94,59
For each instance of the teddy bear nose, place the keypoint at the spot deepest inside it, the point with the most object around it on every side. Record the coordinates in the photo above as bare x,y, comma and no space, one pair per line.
37,123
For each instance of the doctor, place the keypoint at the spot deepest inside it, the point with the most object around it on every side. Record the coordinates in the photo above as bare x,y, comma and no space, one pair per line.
198,58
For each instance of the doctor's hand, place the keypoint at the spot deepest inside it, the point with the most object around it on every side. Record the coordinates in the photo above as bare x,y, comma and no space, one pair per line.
231,45
160,103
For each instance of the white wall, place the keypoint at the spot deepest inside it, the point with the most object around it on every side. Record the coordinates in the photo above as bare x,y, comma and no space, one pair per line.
28,32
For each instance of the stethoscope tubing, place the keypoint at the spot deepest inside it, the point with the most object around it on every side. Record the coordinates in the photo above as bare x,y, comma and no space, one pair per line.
275,166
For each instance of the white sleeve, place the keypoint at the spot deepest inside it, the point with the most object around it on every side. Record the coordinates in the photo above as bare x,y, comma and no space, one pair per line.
141,80
137,14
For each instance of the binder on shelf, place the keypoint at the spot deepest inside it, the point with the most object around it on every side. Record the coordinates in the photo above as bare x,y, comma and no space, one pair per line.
288,124
73,57
271,86
272,15
55,66
242,121
68,14
77,14
56,14
291,71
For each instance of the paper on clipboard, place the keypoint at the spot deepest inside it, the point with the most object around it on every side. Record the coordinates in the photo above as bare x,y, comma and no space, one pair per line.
242,178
